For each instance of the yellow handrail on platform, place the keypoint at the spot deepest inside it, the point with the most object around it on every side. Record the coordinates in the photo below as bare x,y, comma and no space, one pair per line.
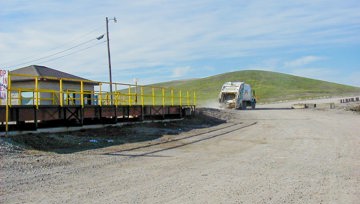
85,92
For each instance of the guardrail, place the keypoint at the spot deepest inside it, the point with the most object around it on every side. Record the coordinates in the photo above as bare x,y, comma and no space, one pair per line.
348,100
24,89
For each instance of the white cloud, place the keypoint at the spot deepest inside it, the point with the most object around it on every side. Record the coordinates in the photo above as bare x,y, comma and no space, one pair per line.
353,79
166,34
302,61
328,74
180,71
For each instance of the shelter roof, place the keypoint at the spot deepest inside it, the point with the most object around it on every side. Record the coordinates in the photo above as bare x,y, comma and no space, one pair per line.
41,71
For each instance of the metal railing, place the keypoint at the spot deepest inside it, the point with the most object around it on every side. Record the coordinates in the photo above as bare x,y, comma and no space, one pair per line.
24,89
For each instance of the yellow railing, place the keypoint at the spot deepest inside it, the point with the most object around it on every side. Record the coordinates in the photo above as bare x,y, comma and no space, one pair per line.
26,89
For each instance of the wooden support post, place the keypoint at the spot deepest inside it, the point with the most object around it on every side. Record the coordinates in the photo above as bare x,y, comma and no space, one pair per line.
35,118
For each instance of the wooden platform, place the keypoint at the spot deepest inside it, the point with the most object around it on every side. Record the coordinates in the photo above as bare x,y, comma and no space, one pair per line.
25,117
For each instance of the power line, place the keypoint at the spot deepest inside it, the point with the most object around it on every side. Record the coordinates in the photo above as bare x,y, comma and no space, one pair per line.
61,46
86,48
79,37
51,55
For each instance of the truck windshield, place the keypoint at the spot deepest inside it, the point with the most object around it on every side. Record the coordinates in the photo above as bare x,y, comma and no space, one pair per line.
228,96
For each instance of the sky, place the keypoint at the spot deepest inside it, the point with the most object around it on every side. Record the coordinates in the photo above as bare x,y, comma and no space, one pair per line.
163,40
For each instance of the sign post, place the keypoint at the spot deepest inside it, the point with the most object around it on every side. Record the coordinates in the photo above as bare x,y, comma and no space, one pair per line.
4,92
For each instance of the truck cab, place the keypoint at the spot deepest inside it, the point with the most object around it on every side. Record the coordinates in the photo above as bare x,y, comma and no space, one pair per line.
236,95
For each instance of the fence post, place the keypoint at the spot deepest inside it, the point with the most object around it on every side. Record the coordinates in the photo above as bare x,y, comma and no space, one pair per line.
142,96
187,98
61,93
116,96
129,95
194,99
99,97
180,98
9,89
7,105
19,97
163,97
37,92
172,96
82,93
153,96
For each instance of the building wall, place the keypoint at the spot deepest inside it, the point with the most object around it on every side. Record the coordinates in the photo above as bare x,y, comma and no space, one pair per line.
51,98
27,97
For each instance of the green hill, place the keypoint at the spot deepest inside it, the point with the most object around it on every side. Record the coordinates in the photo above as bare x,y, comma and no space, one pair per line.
269,86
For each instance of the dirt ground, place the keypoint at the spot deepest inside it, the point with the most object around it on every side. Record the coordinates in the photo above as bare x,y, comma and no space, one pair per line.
273,154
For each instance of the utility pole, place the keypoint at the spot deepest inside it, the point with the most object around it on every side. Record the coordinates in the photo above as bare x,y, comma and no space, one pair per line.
109,58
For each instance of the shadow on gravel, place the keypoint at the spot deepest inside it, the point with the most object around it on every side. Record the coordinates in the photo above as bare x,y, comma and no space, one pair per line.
271,109
149,153
87,139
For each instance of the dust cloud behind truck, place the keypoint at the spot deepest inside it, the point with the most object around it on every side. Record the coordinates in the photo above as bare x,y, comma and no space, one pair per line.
237,95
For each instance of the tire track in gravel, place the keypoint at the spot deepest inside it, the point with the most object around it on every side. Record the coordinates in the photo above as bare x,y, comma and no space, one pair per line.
188,140
44,174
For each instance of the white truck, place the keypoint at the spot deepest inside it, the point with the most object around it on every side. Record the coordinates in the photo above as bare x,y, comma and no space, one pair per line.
237,95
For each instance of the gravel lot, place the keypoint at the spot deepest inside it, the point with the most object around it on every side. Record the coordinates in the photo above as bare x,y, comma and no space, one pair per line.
270,155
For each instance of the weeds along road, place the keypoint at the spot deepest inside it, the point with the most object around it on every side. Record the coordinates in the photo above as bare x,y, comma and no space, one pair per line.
258,156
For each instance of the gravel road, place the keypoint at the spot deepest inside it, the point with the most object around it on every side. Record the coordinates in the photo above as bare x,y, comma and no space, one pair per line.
269,155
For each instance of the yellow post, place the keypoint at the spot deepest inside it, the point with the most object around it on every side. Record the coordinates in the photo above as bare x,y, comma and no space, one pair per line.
9,89
187,98
82,93
67,97
194,99
119,97
7,113
116,95
7,105
129,95
37,92
19,97
180,98
172,97
142,96
153,96
163,97
61,94
99,97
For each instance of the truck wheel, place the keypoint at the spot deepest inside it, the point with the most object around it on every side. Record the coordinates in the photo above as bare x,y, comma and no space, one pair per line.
243,105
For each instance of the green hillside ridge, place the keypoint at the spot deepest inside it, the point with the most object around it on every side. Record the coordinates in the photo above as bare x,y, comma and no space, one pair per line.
269,86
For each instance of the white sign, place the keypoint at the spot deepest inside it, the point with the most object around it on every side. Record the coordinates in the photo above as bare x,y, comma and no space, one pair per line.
3,84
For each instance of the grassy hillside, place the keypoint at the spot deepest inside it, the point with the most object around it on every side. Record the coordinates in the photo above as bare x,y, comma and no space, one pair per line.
269,86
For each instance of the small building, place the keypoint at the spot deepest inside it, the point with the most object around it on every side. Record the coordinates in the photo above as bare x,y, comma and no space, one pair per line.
46,86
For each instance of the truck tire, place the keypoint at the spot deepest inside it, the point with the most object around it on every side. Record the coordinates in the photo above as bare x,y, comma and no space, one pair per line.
243,105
